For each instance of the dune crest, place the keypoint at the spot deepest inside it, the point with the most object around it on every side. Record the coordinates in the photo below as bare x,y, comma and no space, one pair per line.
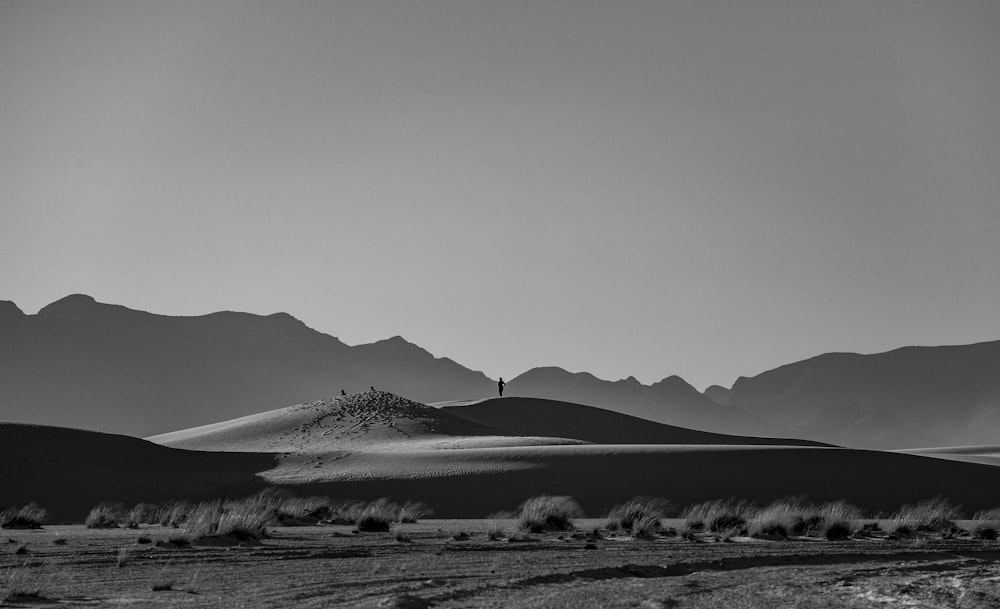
371,420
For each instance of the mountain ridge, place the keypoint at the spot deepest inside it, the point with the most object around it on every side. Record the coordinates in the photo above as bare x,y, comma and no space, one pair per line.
82,363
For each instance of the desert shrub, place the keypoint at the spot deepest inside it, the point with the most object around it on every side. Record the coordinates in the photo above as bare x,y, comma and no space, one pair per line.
345,512
993,514
548,513
143,513
719,515
495,531
106,516
413,511
377,516
793,516
986,525
639,517
935,514
242,519
780,518
836,529
986,530
307,510
31,516
173,513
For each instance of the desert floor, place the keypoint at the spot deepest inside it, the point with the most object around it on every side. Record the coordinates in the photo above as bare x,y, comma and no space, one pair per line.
333,566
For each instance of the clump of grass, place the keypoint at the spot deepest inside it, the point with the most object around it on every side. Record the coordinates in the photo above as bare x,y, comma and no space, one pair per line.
930,515
993,515
295,511
377,516
106,516
402,537
985,530
640,517
31,516
719,516
779,519
986,525
412,511
243,520
495,532
124,556
173,513
142,513
548,513
793,516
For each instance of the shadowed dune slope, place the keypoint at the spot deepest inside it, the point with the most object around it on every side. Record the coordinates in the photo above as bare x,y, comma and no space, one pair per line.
68,471
988,455
369,420
599,476
540,417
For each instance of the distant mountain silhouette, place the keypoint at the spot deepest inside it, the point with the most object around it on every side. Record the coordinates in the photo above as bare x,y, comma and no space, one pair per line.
671,401
913,396
552,418
81,363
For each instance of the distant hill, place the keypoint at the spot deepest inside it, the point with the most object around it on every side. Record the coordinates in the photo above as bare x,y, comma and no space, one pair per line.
81,363
671,401
539,417
913,396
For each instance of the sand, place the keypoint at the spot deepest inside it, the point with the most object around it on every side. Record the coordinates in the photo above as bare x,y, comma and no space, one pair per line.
316,567
376,444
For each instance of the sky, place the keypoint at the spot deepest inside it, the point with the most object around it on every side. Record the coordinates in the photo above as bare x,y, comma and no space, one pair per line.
702,188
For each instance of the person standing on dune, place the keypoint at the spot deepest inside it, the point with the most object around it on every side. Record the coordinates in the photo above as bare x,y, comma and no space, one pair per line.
500,385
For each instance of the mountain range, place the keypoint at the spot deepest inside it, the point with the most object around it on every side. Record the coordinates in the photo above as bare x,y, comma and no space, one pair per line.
82,363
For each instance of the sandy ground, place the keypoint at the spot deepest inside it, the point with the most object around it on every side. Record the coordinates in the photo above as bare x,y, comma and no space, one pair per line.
332,567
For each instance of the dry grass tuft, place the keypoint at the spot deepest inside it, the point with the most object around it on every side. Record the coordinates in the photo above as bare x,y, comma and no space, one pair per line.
243,520
377,516
142,513
548,513
412,511
106,516
640,517
31,516
929,515
719,516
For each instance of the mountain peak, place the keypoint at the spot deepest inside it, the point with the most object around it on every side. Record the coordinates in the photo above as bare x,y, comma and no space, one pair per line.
9,309
69,305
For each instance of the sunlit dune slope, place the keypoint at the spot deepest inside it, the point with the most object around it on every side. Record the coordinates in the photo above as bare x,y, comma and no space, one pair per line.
374,420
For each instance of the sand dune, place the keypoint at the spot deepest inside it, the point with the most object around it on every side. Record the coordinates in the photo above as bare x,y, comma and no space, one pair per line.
540,417
68,471
376,444
987,455
364,421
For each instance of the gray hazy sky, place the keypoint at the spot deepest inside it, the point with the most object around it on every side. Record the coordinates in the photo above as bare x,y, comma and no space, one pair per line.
700,188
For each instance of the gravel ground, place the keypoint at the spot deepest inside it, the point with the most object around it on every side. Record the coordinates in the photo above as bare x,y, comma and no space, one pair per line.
333,567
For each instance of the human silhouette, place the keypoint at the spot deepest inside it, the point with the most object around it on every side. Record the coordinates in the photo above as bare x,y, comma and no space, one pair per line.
373,388
342,392
500,385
